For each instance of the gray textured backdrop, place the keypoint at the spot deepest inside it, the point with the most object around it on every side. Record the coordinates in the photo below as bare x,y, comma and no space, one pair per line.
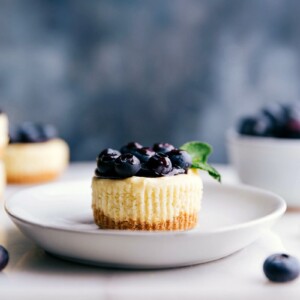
108,72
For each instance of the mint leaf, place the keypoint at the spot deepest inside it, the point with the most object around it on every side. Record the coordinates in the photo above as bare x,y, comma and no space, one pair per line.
200,152
206,167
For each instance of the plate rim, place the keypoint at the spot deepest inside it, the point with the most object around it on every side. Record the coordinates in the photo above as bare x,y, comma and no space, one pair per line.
275,214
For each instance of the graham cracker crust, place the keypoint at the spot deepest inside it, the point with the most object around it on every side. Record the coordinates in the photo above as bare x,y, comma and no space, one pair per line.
182,222
32,178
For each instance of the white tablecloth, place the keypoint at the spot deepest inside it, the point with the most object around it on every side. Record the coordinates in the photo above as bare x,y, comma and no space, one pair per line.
32,274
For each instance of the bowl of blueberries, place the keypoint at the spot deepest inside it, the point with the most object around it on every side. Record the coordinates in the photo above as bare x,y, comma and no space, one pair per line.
264,149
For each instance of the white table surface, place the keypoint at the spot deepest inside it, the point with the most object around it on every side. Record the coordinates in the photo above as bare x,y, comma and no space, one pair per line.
33,274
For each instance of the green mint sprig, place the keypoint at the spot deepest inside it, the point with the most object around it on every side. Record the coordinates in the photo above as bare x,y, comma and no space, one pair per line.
200,153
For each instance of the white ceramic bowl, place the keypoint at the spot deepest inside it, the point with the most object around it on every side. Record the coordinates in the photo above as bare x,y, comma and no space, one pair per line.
269,163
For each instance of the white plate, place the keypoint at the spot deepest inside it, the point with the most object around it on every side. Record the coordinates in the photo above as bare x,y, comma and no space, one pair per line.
58,217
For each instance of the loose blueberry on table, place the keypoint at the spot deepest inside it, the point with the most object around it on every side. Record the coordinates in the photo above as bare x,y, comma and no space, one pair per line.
4,258
281,267
275,120
161,160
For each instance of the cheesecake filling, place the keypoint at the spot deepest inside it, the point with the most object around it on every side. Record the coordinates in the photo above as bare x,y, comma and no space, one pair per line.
36,158
3,131
144,201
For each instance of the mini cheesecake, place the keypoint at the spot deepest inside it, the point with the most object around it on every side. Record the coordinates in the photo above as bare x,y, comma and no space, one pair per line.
144,203
35,154
2,178
146,188
36,162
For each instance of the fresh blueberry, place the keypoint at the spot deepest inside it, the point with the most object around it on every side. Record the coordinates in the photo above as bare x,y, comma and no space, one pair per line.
110,152
292,126
143,154
4,258
106,161
105,165
47,131
14,136
130,147
276,112
246,125
127,165
159,164
293,110
281,268
29,133
292,129
256,126
163,147
180,159
97,173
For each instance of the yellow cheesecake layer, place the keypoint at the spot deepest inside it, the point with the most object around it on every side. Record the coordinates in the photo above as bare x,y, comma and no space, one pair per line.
36,162
162,203
3,133
2,178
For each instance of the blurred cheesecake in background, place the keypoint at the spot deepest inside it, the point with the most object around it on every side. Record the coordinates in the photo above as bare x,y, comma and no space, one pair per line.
3,144
35,154
3,133
2,178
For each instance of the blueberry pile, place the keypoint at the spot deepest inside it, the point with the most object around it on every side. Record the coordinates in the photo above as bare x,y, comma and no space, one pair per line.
29,132
275,120
135,160
281,267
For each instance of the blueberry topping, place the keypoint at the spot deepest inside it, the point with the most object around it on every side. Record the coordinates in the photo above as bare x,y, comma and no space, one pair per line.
110,152
127,165
160,164
142,161
29,132
47,132
130,147
97,173
143,154
163,147
4,258
180,159
281,268
105,164
106,161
